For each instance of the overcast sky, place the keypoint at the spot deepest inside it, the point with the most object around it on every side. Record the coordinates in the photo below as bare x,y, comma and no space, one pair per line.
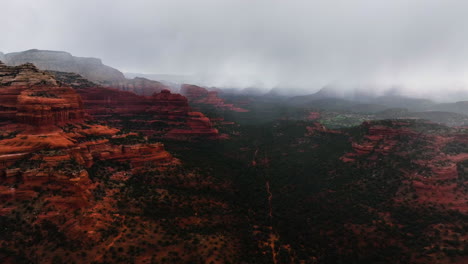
418,44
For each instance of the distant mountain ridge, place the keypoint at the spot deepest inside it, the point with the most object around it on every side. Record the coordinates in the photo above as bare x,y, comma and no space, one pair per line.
331,99
90,68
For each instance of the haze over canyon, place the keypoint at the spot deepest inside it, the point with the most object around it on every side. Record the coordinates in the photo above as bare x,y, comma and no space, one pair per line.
233,132
296,46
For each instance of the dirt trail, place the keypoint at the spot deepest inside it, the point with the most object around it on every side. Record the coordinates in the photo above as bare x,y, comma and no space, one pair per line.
273,241
270,196
274,237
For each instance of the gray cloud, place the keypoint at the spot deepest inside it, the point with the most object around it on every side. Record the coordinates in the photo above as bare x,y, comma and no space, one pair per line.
419,44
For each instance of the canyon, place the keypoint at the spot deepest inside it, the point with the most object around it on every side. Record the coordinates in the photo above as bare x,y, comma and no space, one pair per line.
167,177
68,175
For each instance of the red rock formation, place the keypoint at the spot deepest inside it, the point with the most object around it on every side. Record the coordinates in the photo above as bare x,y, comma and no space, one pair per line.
162,107
140,86
432,177
200,95
66,183
38,109
104,101
379,139
29,96
165,107
198,126
41,106
169,105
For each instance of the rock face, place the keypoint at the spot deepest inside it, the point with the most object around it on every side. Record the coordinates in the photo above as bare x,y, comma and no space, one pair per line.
200,95
101,101
35,108
72,79
141,86
24,75
199,126
163,114
32,97
90,68
169,105
44,106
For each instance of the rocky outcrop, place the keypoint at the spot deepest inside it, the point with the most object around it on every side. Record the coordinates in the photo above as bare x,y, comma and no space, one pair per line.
25,75
90,68
72,79
200,95
32,97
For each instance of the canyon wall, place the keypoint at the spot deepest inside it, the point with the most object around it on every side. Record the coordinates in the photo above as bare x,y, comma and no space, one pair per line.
32,97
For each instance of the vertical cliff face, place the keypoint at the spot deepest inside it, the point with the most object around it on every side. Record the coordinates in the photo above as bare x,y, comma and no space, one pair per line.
32,97
49,106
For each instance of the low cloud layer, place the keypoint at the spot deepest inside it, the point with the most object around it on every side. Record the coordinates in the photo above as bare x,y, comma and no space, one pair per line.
420,45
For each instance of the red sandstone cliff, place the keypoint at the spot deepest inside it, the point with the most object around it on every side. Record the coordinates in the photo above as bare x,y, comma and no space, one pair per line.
38,113
200,95
170,110
32,97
